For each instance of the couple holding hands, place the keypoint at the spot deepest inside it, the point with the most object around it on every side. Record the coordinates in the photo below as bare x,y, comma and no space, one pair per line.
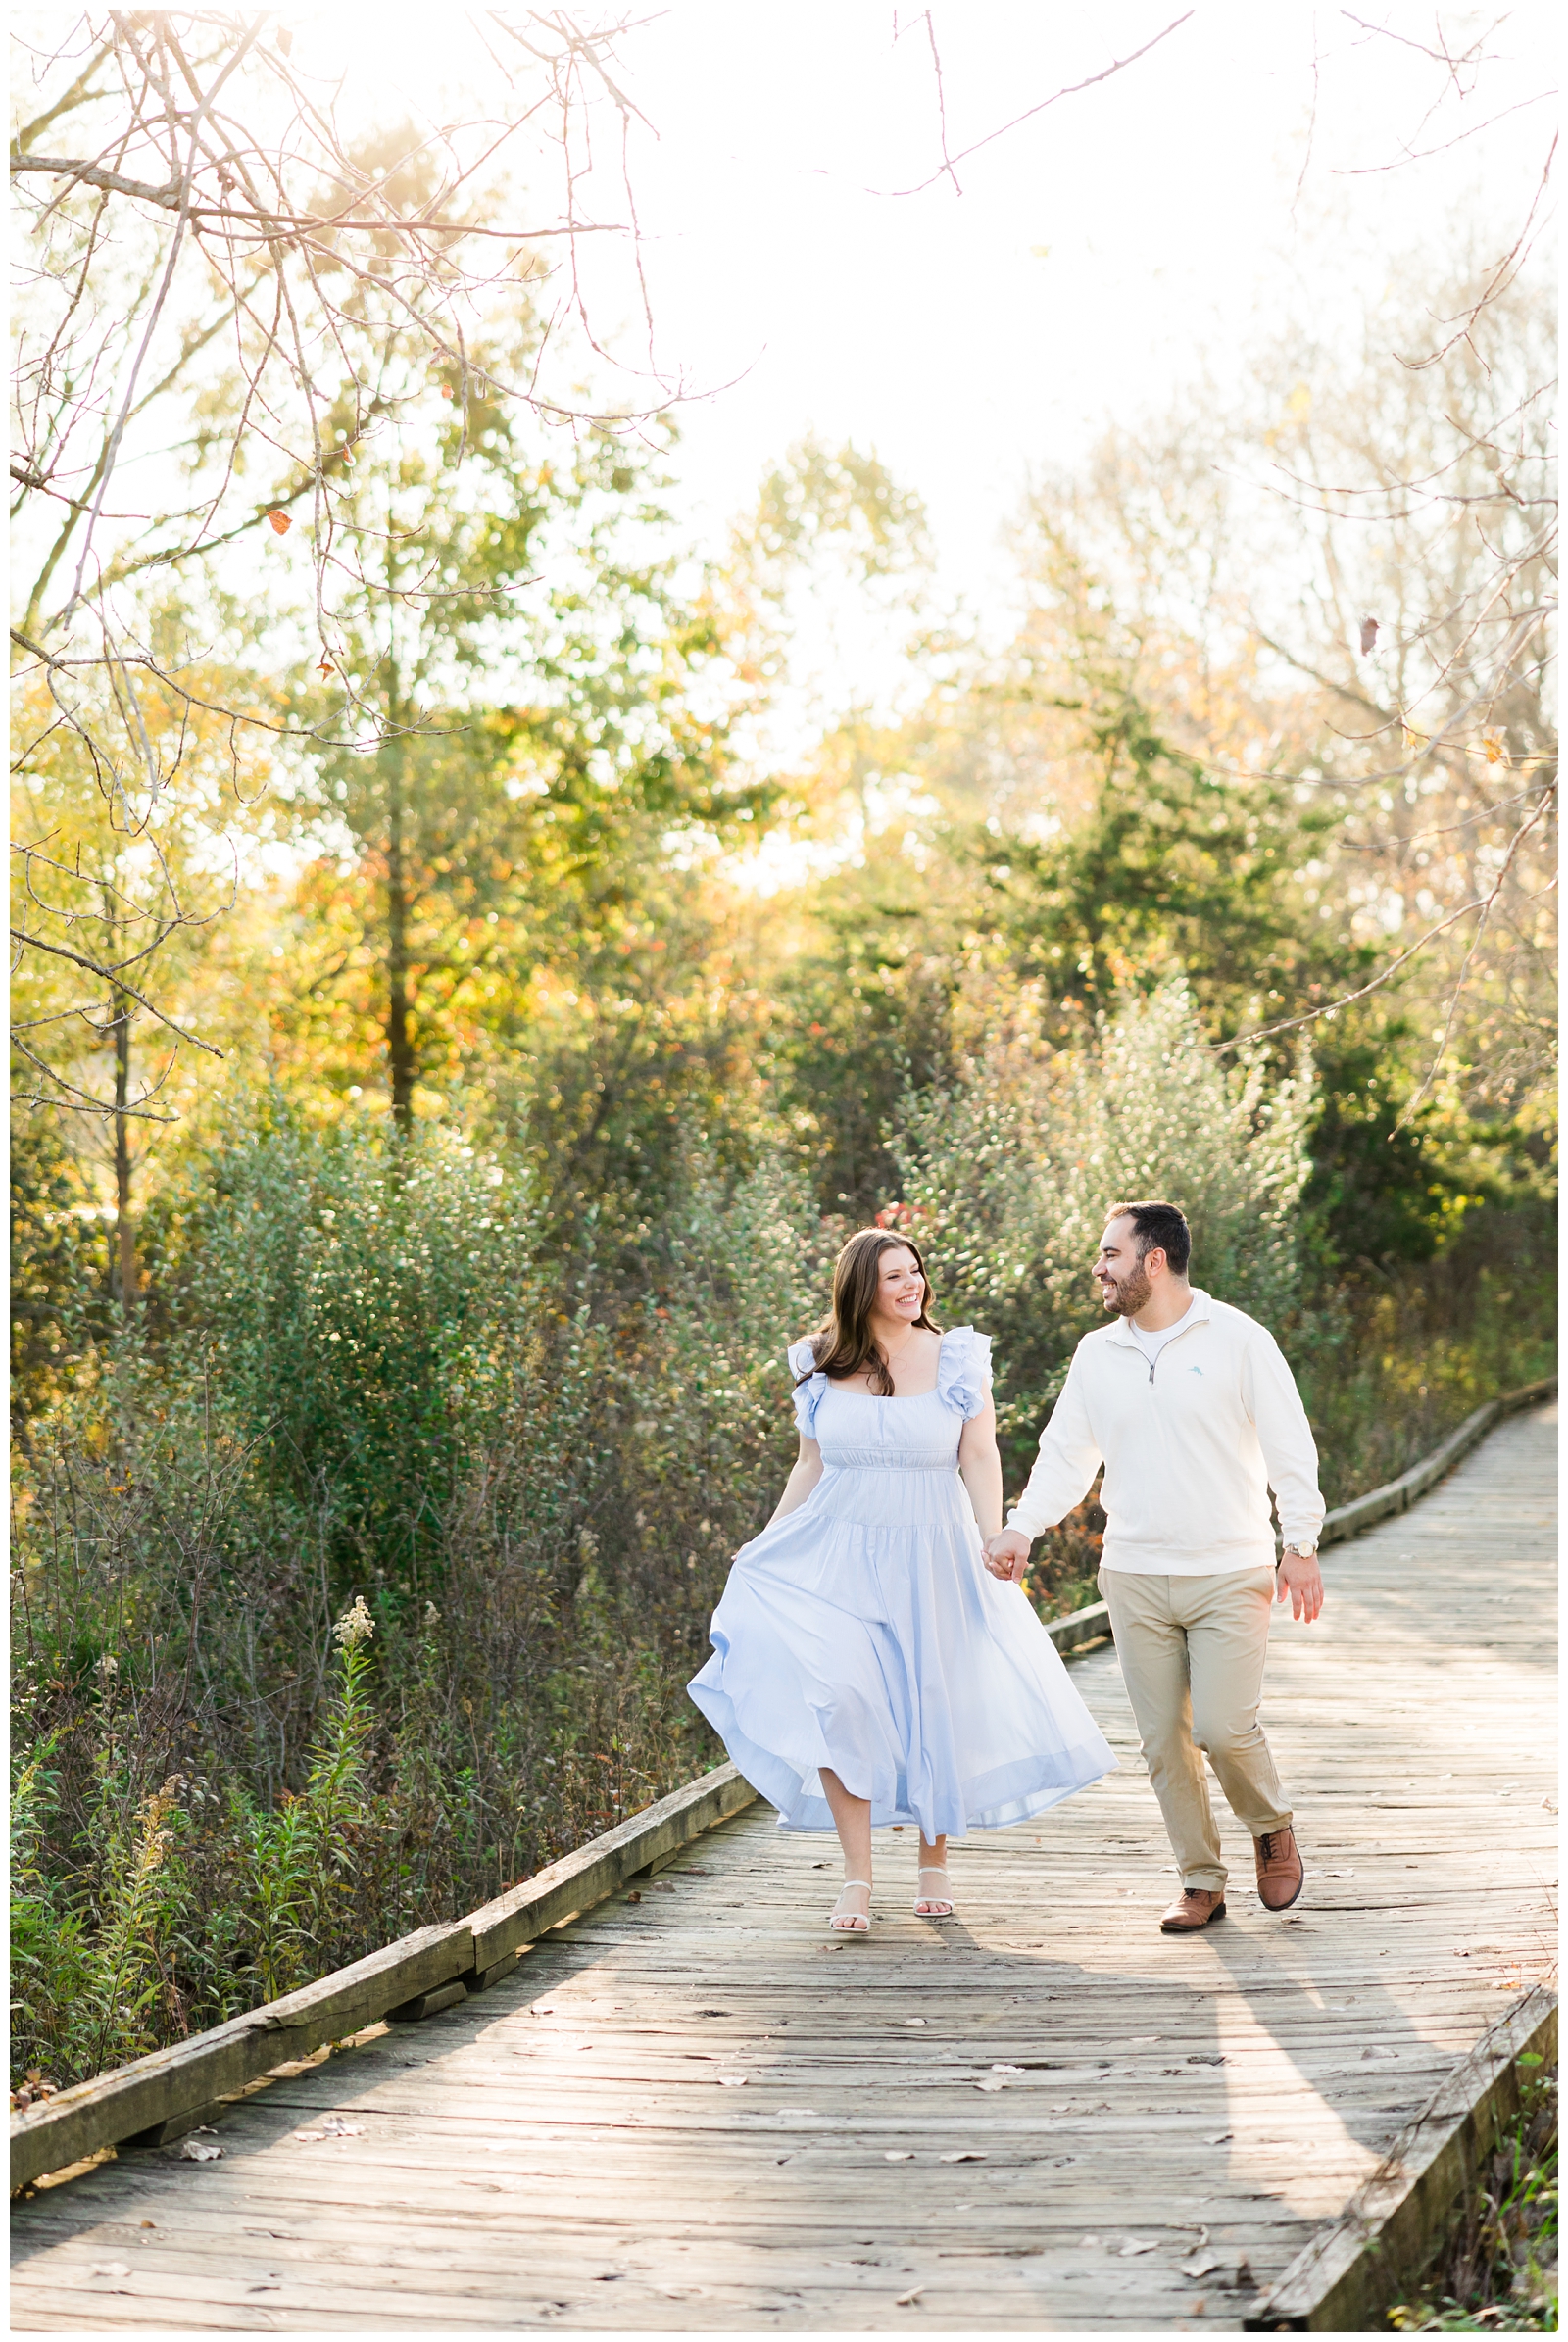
875,1661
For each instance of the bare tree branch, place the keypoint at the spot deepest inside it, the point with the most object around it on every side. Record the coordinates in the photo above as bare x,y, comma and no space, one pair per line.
1075,89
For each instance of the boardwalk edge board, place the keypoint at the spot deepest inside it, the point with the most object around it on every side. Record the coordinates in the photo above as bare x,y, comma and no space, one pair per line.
1393,2226
1397,1495
157,2097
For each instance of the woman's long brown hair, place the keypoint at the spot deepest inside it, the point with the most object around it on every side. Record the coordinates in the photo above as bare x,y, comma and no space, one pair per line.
843,1343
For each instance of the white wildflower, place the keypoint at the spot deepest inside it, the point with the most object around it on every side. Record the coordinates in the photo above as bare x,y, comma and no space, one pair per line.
355,1627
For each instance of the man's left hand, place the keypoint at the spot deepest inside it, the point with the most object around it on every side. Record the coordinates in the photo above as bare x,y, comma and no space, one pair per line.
1300,1576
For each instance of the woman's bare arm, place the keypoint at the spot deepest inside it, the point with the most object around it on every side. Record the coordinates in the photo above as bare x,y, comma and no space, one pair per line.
807,1471
981,1467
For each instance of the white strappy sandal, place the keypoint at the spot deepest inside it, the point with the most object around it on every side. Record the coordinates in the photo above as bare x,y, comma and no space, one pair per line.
932,1870
850,1922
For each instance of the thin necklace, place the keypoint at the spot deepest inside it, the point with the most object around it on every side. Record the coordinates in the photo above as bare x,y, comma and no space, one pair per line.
888,1356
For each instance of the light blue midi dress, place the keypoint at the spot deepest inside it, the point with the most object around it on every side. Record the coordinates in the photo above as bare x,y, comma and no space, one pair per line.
863,1632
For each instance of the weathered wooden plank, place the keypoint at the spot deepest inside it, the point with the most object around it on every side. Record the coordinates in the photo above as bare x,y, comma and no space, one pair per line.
161,2088
1080,1628
155,2096
594,1870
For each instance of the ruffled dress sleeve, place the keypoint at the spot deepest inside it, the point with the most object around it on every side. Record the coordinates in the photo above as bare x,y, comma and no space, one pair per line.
963,1371
809,1395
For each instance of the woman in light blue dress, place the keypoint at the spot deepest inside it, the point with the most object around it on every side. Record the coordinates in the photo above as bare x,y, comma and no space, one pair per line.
867,1668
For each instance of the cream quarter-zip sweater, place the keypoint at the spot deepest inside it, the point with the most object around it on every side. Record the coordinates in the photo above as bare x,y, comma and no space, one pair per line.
1192,1447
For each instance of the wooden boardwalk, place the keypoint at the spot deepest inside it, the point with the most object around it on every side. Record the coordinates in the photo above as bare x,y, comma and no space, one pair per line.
693,2109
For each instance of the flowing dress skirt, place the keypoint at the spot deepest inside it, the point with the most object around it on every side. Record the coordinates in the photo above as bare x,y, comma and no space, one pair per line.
863,1632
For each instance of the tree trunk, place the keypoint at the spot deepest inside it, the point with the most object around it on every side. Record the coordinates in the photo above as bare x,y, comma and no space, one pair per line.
401,1066
125,1225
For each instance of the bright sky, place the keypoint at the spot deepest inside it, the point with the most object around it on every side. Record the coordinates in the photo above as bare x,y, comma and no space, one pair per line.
1230,172
1093,251
1231,176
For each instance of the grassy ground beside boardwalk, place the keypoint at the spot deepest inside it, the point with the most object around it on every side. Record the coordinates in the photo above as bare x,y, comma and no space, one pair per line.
1499,2272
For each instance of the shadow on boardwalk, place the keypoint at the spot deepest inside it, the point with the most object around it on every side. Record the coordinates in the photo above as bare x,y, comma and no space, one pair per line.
698,2110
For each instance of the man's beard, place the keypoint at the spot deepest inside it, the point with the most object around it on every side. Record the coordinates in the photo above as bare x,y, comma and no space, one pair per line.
1128,1294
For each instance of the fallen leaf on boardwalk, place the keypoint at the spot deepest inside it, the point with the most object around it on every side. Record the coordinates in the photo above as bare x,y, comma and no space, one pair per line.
110,2269
199,2151
334,2127
308,2134
905,2300
1206,2057
1006,2069
1086,2244
1202,2265
997,2082
1139,2244
963,2155
899,2154
1221,2138
733,2081
282,522
911,2020
635,1896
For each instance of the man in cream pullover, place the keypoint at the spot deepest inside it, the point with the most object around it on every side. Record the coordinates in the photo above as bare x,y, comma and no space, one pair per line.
1195,1416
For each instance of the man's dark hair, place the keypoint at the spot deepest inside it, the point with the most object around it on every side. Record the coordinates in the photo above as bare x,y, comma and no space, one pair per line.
1161,1224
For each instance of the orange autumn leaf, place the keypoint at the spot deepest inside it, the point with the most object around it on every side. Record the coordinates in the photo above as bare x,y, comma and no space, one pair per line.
280,522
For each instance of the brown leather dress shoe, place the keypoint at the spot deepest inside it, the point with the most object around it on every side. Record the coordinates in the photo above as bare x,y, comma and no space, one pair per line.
1192,1908
1280,1876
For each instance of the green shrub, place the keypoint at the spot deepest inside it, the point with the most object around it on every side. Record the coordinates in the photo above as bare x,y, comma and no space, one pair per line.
1008,1176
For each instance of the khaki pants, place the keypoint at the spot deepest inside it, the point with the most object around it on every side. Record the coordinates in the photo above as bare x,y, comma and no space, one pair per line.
1192,1653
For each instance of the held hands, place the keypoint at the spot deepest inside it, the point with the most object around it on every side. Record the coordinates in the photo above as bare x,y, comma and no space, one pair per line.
1007,1555
1300,1576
